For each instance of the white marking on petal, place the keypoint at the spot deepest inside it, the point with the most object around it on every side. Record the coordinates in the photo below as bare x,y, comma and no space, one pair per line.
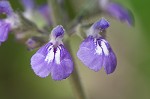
57,55
98,49
105,49
50,56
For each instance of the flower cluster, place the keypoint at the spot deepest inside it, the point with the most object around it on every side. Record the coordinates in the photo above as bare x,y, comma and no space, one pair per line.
32,28
94,52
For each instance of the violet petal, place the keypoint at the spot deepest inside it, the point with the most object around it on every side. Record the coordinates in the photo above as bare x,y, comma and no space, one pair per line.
38,63
91,54
4,29
62,67
110,60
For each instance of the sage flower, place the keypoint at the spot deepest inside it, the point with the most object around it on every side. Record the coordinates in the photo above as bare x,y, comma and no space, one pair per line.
53,58
95,52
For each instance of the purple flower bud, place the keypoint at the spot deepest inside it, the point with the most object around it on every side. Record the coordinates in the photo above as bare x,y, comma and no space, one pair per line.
35,42
96,53
5,8
4,29
52,59
119,12
31,43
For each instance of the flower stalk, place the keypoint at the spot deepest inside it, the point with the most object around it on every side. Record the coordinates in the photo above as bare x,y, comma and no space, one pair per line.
76,84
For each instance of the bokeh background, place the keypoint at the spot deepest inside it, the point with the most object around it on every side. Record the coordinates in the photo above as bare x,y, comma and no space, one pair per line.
131,79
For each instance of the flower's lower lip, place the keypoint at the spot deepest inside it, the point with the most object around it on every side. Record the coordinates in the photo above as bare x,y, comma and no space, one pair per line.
96,53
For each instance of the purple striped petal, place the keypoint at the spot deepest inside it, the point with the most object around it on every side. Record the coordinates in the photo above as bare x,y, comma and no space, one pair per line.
4,29
91,54
5,7
110,60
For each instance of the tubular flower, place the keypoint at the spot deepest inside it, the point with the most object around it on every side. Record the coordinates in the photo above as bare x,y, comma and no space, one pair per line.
53,58
95,52
9,22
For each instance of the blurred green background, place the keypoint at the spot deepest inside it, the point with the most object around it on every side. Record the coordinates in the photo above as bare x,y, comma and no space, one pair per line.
131,80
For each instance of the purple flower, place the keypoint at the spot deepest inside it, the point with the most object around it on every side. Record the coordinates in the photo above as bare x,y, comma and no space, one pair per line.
45,11
117,11
53,58
7,23
95,52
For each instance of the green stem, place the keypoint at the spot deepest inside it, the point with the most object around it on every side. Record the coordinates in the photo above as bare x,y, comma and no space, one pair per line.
75,80
76,85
